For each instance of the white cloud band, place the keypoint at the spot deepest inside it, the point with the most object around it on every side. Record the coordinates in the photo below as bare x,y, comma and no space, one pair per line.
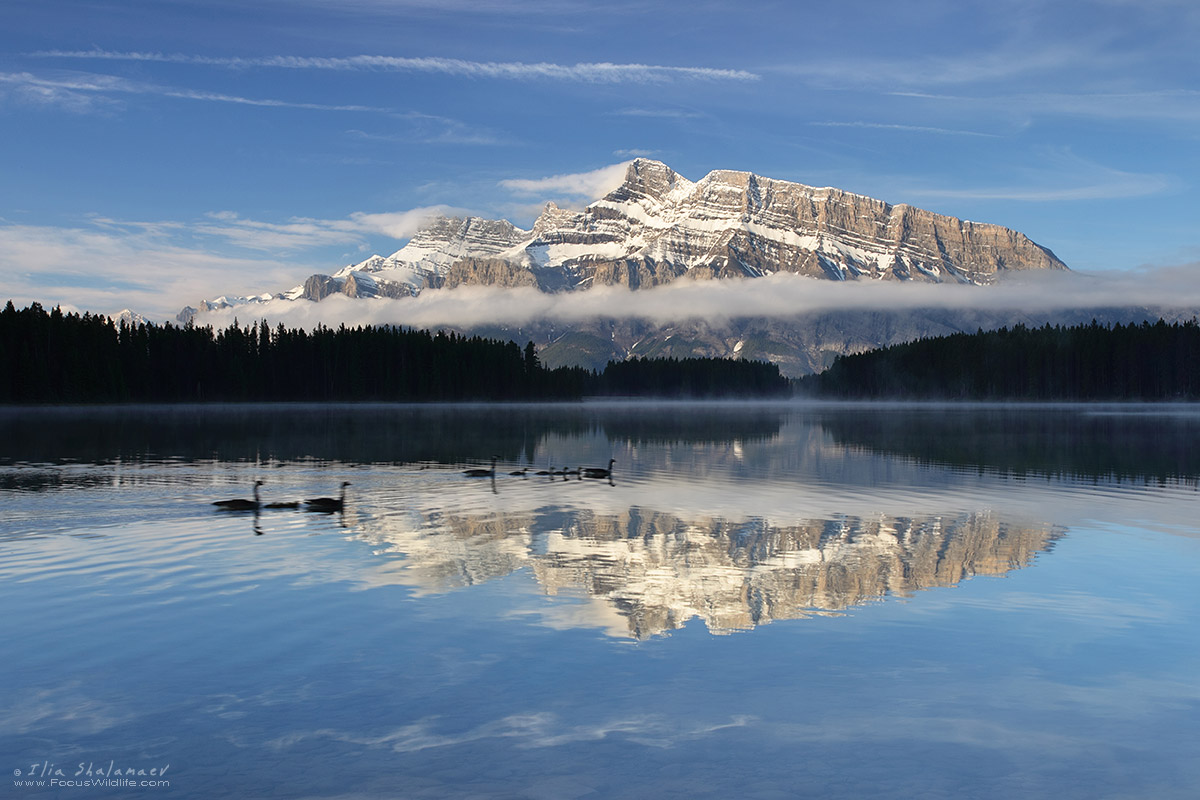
779,296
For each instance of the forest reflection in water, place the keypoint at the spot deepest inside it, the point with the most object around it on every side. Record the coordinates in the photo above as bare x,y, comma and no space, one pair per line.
1135,441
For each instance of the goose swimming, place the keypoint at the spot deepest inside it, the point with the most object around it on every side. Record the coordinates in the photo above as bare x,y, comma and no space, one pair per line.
239,504
599,472
480,472
328,503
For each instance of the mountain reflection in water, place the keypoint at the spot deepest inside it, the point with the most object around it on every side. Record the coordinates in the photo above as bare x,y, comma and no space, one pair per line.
644,573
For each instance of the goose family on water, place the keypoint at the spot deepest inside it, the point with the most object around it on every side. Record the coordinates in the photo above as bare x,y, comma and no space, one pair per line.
339,503
550,471
315,504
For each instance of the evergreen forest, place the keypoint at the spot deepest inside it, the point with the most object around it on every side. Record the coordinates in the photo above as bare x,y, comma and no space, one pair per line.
57,357
1136,362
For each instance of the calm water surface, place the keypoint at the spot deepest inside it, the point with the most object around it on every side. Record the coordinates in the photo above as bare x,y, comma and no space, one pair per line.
763,601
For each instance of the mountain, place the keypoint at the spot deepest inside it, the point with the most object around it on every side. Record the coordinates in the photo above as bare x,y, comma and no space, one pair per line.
658,227
128,317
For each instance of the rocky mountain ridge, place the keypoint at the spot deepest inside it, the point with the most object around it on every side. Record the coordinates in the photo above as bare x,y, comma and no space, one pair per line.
657,227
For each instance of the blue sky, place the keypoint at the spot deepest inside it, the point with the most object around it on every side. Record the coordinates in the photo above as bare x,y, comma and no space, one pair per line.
160,152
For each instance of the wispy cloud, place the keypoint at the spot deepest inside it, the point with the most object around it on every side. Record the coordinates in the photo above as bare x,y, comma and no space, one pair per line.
1001,63
1062,176
302,233
70,91
1157,104
1132,186
586,185
77,94
658,113
104,271
905,128
433,129
401,224
597,72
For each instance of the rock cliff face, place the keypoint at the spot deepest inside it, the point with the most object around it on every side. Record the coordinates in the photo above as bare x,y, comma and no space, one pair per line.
352,284
488,271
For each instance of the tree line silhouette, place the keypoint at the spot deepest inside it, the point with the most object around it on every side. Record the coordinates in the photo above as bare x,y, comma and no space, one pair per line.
57,357
693,377
1144,361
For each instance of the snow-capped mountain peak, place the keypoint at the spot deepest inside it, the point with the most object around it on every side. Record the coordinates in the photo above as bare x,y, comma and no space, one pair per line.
658,226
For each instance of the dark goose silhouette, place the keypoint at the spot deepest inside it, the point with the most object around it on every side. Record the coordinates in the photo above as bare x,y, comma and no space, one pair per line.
240,504
520,473
328,503
480,472
599,472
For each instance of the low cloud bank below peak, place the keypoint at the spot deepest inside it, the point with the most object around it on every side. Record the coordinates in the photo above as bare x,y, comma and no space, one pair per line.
778,296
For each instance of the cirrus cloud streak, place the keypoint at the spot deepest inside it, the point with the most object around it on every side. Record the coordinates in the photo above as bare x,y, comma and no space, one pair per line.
73,92
597,72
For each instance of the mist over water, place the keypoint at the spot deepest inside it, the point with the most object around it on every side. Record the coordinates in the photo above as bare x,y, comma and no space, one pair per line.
989,601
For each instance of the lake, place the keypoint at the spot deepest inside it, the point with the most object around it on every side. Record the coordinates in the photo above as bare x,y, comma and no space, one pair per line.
762,600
